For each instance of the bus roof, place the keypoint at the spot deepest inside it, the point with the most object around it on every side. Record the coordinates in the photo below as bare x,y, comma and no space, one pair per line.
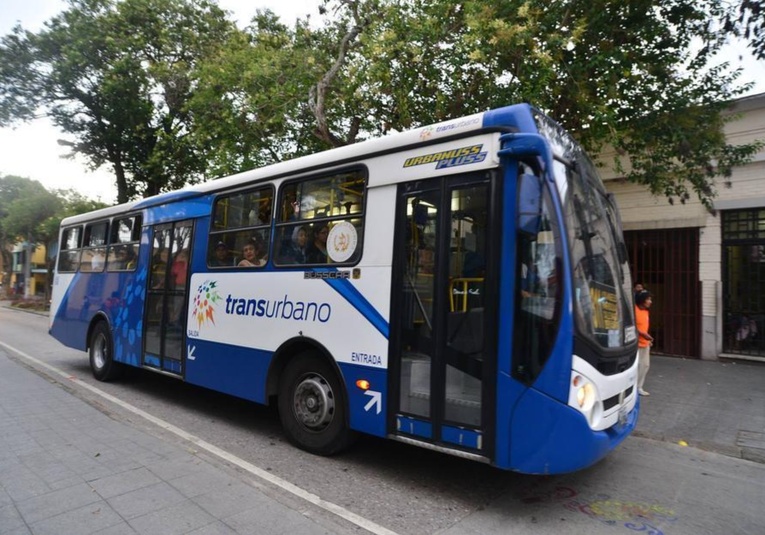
518,116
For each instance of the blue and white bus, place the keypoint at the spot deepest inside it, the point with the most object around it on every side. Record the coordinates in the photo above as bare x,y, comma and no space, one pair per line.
461,287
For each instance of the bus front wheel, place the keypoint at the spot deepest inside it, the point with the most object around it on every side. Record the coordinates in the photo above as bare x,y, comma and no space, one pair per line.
101,354
311,406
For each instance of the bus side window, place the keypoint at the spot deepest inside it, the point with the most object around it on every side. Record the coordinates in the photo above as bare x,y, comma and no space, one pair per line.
69,249
321,220
124,244
538,295
239,219
94,247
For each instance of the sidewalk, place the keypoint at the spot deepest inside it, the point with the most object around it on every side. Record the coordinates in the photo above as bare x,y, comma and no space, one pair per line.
68,468
715,406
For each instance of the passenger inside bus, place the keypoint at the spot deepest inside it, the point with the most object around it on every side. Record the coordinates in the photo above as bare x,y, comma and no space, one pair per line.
180,268
124,258
158,269
253,253
97,260
317,250
221,257
294,250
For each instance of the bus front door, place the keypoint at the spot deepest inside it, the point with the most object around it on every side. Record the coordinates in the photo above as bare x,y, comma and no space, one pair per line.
165,315
442,331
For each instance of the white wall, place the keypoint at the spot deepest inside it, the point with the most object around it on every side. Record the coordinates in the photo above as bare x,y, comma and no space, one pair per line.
744,189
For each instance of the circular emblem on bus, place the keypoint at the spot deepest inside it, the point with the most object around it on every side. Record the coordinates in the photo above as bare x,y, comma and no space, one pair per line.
342,241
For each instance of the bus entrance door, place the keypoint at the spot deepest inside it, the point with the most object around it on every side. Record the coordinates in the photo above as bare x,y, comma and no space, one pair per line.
442,334
165,316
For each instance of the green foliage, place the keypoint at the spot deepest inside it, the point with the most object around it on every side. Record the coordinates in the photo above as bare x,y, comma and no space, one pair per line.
24,204
30,212
169,92
115,76
250,105
748,22
635,76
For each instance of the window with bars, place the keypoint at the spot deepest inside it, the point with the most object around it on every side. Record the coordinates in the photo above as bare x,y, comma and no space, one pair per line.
743,233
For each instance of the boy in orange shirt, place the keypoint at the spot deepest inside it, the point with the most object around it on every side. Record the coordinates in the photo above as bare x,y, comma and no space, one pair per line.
645,341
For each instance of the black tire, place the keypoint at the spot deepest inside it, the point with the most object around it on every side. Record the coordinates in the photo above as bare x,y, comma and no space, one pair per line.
312,406
101,354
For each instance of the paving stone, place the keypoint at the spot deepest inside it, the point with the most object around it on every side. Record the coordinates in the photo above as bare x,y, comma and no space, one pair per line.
120,529
266,518
56,502
206,479
146,500
21,483
179,519
10,518
216,528
230,500
83,521
124,482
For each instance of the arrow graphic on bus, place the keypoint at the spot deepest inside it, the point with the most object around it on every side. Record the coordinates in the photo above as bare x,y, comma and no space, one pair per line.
190,352
376,400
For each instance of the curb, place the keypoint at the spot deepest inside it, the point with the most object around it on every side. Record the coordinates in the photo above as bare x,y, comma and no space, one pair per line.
748,454
37,312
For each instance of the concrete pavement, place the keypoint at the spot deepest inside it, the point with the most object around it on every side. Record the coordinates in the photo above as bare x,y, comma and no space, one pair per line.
67,468
717,406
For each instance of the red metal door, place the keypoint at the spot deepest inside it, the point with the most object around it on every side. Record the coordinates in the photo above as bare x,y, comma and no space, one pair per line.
666,262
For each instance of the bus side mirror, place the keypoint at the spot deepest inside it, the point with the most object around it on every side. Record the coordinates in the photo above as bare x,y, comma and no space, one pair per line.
529,204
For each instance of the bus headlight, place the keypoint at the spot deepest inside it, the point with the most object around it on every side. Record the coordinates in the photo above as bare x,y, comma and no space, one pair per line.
585,393
584,397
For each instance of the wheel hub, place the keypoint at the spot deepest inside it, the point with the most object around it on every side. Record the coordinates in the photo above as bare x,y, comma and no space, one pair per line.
314,402
99,351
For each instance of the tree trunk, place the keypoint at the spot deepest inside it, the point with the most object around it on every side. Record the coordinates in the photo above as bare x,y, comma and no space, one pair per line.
122,188
28,267
48,277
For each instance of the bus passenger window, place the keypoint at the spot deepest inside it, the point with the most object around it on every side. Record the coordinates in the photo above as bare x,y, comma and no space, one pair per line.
94,249
124,244
240,220
538,293
69,250
321,220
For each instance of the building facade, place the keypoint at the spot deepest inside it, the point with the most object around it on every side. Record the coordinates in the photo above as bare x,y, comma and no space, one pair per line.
706,270
39,272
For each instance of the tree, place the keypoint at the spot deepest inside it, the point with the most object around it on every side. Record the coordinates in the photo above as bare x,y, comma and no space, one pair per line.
25,205
625,74
635,76
250,106
276,92
749,22
32,214
12,189
114,75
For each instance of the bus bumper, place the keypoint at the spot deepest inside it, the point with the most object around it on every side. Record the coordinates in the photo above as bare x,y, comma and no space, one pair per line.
548,437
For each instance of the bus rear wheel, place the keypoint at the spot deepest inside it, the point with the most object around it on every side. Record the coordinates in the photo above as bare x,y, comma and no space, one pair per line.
101,354
311,406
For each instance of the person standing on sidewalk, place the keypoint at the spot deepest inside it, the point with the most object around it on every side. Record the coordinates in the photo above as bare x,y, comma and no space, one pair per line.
645,341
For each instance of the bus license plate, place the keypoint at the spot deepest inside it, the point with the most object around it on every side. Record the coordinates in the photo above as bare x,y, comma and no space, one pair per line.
623,414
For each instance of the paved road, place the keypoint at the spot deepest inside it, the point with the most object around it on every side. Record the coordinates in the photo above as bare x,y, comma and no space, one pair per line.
645,484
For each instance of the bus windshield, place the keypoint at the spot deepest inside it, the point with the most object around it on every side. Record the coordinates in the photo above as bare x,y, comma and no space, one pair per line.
600,271
601,278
